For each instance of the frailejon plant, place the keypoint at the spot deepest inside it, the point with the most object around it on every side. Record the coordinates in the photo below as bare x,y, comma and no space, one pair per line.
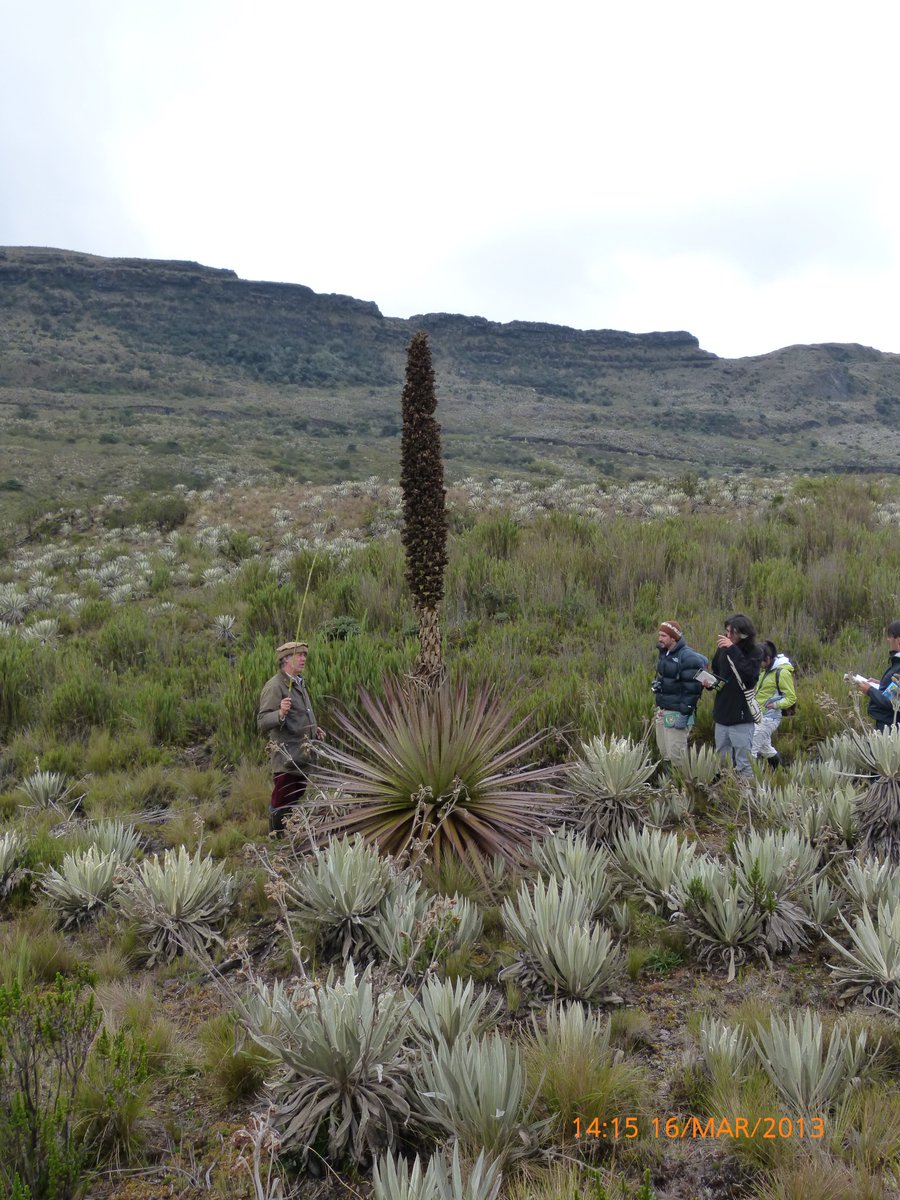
83,884
475,1092
45,789
181,902
45,1039
722,923
396,1179
878,809
414,930
870,969
338,890
775,871
653,862
610,779
562,950
726,1050
786,858
115,837
567,854
11,847
344,1064
811,1072
870,882
444,1011
700,767
443,769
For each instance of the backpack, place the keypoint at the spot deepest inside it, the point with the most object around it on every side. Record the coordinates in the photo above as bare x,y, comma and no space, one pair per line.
785,712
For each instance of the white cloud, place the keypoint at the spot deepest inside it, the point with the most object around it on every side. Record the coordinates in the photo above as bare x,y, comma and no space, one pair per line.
728,171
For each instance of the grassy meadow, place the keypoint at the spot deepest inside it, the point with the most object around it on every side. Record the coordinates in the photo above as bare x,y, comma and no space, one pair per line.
135,636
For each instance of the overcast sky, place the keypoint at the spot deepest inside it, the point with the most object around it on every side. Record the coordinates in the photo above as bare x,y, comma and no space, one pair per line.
729,170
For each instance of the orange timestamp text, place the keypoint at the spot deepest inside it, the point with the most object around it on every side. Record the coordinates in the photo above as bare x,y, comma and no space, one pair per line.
614,1129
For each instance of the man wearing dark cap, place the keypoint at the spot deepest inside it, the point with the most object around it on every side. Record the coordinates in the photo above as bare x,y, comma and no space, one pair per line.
286,717
677,691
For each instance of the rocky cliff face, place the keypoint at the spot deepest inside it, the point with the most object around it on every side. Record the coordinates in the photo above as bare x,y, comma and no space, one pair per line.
163,335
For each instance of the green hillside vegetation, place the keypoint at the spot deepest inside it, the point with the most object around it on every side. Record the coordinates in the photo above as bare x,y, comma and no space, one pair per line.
710,954
117,372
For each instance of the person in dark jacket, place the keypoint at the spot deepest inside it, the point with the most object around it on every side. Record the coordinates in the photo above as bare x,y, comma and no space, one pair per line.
736,664
286,715
884,706
677,691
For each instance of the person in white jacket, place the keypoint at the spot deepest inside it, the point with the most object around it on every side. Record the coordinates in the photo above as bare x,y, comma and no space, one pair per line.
775,693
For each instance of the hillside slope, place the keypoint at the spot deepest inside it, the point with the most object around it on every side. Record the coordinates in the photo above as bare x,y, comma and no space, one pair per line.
119,371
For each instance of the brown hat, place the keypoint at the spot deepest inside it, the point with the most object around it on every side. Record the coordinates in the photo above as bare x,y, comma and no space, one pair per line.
672,628
287,648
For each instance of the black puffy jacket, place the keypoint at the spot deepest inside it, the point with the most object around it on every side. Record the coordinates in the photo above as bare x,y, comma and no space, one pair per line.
676,688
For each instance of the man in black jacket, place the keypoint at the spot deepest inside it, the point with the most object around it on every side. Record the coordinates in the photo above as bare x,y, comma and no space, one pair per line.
883,708
736,663
677,691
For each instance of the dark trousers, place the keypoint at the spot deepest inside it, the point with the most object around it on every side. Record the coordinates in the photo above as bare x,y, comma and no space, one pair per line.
287,792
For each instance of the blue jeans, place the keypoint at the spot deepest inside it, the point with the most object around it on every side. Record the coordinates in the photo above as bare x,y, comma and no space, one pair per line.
733,744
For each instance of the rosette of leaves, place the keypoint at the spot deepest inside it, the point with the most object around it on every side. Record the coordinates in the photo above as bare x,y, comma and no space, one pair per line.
343,1067
83,884
475,1092
396,1179
338,892
878,809
414,930
775,870
179,902
562,950
444,770
870,969
610,780
828,818
258,1008
870,882
11,846
812,1073
45,789
653,862
567,854
726,1050
786,858
840,754
821,902
698,770
445,1010
722,923
115,837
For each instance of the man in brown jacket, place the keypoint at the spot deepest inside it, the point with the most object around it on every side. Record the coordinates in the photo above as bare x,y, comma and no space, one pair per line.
286,717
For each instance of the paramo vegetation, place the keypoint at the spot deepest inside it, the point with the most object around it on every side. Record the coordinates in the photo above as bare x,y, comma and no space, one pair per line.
190,1008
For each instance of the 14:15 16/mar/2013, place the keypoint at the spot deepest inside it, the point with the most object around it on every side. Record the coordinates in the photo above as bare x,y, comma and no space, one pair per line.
767,1128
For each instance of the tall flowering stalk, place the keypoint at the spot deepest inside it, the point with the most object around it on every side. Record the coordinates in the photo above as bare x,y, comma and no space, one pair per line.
424,514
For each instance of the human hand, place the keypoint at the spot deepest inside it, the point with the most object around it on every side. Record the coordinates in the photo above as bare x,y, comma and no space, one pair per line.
863,685
320,734
724,641
285,706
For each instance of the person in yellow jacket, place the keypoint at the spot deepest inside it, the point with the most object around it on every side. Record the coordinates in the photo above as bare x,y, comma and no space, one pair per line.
775,693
